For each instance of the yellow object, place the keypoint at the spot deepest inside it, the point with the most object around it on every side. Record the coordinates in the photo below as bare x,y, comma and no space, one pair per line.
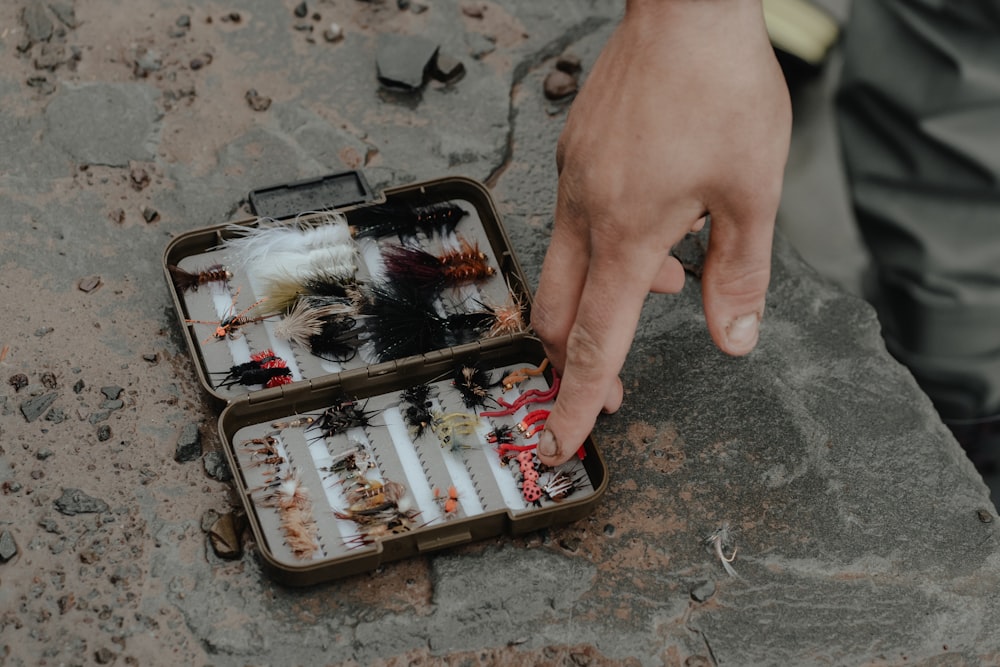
801,29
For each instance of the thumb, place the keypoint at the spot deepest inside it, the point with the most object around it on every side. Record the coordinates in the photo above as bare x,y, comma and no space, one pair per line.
735,279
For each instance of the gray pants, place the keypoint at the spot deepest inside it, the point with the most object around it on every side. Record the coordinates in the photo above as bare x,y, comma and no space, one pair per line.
919,119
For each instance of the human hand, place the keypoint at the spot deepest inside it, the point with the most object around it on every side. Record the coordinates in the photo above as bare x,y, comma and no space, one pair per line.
685,113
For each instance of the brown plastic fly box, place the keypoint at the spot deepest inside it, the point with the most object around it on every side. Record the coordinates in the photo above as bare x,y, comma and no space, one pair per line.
382,392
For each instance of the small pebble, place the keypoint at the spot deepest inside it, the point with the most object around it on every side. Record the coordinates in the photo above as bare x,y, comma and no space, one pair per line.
559,85
78,386
570,544
216,466
150,214
301,10
112,391
75,501
89,284
188,444
257,101
333,33
139,178
985,516
569,63
703,591
104,656
18,381
8,547
224,536
49,380
33,408
104,433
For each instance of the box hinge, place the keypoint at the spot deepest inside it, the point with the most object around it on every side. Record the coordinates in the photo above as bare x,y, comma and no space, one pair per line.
265,395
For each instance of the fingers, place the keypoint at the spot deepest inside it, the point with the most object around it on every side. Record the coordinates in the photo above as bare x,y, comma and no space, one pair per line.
670,279
595,349
559,287
735,279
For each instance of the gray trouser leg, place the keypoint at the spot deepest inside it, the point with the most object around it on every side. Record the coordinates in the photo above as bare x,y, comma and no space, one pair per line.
919,112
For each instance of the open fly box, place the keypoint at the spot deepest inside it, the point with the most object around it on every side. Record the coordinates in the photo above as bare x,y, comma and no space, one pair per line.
382,390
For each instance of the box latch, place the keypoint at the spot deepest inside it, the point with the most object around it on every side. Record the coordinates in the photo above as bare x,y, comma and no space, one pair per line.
316,194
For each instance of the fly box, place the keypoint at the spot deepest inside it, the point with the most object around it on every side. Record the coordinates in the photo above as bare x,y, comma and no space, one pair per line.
382,391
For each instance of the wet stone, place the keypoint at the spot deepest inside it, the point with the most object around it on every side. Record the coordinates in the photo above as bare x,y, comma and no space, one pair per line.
217,467
189,444
33,408
8,548
703,591
75,501
403,60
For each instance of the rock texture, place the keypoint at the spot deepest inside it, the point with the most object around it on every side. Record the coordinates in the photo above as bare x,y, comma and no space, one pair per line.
861,533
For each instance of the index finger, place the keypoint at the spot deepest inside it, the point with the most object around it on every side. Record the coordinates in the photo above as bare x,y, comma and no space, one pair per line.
599,339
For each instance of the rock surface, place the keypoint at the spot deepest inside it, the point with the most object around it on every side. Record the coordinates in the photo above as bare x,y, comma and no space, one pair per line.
862,534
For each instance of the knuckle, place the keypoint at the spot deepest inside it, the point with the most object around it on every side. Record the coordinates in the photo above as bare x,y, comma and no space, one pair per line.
543,323
585,352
